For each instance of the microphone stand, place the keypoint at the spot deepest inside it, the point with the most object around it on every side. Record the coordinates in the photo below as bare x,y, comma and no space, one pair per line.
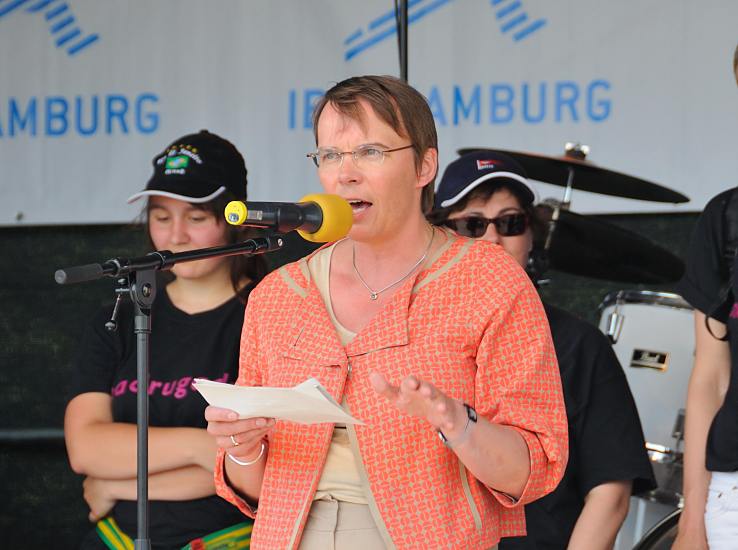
402,36
138,280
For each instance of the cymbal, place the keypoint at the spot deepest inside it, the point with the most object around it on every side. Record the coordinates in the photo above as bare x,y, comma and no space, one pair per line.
587,176
587,246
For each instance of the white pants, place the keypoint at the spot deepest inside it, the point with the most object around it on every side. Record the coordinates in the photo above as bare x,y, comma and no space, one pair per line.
721,513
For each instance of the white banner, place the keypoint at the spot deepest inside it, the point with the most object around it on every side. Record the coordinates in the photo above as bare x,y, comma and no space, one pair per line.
91,90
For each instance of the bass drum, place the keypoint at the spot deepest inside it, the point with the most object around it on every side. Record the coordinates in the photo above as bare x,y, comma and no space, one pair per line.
652,334
662,535
653,337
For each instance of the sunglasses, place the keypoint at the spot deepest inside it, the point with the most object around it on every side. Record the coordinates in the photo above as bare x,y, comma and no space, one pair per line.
507,225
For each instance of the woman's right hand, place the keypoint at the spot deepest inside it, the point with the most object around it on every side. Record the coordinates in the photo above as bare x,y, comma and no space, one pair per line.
692,534
240,438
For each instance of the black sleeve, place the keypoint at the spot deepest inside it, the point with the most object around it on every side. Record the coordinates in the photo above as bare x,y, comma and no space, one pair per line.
99,353
706,270
610,443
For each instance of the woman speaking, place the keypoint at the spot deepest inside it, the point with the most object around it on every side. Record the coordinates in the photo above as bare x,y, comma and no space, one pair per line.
438,343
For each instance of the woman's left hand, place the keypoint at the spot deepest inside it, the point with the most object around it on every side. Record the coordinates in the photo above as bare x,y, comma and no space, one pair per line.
423,400
98,497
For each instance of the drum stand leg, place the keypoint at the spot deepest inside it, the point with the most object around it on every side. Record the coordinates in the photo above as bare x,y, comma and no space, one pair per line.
640,519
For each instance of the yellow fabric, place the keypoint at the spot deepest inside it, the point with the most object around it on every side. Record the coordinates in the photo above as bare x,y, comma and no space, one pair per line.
112,536
236,537
340,479
232,538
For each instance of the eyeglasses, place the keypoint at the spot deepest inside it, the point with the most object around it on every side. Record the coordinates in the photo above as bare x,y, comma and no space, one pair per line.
367,154
507,225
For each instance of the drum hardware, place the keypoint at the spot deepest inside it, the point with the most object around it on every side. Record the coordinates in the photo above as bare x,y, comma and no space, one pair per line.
667,463
614,326
669,477
660,450
645,297
556,208
575,151
678,431
662,535
615,322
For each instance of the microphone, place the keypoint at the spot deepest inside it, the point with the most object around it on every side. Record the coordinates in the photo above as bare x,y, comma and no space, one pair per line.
318,217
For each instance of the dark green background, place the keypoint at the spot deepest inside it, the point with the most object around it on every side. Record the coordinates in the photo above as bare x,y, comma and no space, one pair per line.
40,323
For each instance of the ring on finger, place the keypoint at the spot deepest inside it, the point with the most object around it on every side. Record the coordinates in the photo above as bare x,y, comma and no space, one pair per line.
233,440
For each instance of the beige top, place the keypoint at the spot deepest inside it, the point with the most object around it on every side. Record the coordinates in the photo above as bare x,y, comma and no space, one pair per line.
340,479
320,268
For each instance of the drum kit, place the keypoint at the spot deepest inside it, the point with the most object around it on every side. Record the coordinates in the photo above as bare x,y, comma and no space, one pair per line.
651,332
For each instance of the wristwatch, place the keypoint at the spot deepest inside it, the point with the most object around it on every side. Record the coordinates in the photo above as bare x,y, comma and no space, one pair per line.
471,418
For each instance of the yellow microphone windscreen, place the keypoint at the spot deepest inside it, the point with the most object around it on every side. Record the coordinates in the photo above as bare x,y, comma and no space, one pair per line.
338,217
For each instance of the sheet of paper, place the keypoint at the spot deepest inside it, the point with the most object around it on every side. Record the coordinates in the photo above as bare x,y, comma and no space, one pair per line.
306,403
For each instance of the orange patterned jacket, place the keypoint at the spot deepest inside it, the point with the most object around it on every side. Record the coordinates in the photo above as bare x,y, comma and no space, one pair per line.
473,325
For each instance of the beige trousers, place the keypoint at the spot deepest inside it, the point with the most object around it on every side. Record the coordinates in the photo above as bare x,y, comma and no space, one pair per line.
337,525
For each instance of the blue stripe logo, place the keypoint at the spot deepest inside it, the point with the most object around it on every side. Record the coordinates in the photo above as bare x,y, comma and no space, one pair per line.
62,24
512,18
383,27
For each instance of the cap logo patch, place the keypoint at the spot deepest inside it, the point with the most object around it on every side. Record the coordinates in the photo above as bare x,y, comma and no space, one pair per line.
486,164
174,163
177,159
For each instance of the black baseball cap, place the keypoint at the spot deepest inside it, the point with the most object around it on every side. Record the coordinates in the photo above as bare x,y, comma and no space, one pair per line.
197,168
472,169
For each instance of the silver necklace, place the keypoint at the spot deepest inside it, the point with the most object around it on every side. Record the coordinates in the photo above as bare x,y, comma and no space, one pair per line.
374,294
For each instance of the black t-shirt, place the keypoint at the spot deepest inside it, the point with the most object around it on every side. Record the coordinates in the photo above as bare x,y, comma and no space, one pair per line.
706,274
183,347
605,436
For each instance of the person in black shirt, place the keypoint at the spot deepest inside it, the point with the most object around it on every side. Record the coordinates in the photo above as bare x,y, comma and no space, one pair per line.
710,284
487,195
196,324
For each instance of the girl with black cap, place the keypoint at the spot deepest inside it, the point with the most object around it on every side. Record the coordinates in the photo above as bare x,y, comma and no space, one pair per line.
196,320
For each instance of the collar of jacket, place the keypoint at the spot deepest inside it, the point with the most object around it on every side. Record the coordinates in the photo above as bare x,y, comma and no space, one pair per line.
314,339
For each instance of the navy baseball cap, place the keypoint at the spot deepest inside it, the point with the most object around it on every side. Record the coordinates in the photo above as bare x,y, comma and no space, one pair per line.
197,168
471,170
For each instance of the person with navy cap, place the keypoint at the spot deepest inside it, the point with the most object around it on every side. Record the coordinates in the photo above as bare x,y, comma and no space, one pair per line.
487,195
196,324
